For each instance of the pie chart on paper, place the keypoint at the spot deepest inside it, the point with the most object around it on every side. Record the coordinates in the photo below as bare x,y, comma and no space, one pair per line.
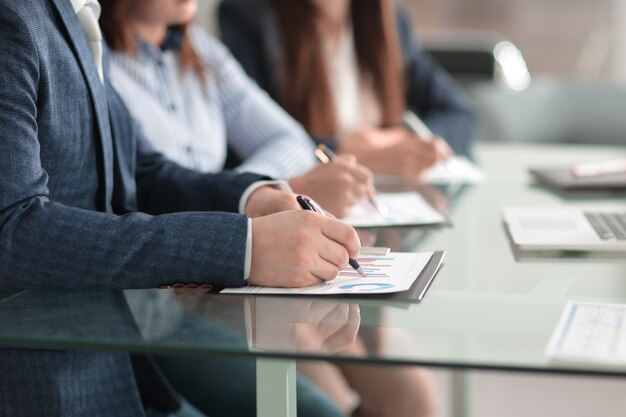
366,287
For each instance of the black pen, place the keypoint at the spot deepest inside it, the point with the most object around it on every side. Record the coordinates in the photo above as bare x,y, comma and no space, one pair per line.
307,204
326,155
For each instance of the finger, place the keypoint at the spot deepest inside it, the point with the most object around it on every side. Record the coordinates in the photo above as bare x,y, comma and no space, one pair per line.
335,254
354,315
324,270
334,320
341,338
362,174
317,310
443,149
304,280
426,154
341,233
359,192
337,315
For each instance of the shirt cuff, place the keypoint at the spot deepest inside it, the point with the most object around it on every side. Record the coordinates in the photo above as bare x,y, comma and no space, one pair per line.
281,185
248,258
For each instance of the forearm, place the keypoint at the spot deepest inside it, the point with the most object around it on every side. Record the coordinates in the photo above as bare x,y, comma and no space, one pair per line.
167,191
48,245
166,187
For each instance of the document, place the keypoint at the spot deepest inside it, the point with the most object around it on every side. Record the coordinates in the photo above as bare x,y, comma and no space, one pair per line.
591,333
404,209
391,273
456,169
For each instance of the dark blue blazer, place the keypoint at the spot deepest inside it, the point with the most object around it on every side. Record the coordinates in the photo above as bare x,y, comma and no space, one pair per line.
86,203
250,30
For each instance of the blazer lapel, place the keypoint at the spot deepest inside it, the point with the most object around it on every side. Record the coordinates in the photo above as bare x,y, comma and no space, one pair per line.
96,90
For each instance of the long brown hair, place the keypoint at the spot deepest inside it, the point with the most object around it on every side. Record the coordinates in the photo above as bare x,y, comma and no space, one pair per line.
305,90
116,22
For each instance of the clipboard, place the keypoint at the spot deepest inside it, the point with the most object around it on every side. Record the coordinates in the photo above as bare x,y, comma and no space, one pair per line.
414,294
420,286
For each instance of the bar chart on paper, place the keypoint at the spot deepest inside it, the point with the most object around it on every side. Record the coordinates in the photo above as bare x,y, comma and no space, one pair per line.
394,272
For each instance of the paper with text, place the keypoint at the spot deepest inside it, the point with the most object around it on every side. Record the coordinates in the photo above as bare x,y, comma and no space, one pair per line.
456,169
405,209
385,274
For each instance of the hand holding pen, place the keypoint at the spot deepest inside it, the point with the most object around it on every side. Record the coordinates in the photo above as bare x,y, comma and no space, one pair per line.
298,248
416,126
308,204
326,156
336,186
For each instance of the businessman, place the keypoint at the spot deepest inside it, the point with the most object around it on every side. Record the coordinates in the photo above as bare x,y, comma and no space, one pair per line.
86,203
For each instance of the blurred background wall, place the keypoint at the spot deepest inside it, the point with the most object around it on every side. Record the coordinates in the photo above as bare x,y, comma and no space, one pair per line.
582,39
561,38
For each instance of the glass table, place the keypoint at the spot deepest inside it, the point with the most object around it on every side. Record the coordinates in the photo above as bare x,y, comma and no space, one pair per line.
490,307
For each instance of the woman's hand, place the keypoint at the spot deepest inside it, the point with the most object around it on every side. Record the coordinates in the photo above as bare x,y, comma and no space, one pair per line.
336,186
395,151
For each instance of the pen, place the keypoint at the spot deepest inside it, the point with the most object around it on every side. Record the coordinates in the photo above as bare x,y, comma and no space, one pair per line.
307,204
414,124
599,168
326,155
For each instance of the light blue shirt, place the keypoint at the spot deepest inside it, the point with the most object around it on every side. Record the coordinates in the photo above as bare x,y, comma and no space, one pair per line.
193,123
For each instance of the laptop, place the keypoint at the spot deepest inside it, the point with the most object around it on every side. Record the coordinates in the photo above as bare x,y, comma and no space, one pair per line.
583,228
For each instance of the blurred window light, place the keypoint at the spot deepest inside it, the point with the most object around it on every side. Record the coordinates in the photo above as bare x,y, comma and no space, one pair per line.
511,69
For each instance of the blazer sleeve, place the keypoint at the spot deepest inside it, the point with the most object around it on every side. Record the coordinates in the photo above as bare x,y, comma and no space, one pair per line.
45,244
432,94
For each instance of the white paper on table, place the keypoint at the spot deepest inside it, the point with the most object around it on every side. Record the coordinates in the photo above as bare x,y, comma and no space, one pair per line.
405,209
385,274
456,169
591,333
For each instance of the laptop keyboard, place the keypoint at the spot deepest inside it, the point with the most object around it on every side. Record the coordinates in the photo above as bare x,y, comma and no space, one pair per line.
608,226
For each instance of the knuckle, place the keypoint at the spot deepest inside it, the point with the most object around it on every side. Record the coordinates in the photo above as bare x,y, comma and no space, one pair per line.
344,258
333,272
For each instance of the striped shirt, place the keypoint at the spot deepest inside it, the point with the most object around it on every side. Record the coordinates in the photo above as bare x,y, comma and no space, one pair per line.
193,123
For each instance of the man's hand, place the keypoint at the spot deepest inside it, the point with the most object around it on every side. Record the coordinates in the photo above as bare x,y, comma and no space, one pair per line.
269,200
299,248
336,186
395,151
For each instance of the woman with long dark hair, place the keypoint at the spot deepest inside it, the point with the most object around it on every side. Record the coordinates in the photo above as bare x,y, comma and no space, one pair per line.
348,70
